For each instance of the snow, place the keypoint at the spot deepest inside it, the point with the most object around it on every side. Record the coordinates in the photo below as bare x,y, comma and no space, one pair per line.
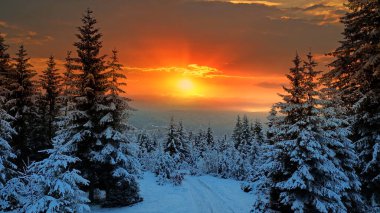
201,194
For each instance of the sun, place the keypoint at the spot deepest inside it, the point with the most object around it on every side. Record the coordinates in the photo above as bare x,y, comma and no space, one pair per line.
186,85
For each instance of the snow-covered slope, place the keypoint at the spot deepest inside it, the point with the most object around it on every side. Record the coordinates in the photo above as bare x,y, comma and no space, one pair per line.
202,194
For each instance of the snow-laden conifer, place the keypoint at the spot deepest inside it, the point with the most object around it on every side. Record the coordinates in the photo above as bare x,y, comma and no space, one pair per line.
355,74
302,172
96,117
7,167
50,185
21,107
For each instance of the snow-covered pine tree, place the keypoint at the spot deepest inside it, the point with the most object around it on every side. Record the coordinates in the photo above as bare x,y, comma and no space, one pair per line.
183,139
5,63
305,177
337,128
265,165
96,121
55,185
172,145
21,107
355,74
258,132
242,136
200,142
175,144
272,123
50,185
51,86
7,167
118,163
166,169
248,146
69,85
145,143
237,133
210,137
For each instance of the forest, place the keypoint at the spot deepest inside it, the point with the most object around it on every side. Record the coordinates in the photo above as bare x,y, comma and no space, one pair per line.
66,143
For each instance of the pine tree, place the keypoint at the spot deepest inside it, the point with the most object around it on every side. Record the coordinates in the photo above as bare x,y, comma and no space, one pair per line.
172,145
176,144
200,142
355,74
6,130
58,184
236,135
5,64
90,82
21,107
337,128
69,85
116,154
50,185
51,84
258,132
305,177
183,138
210,137
272,123
97,120
247,146
166,169
145,143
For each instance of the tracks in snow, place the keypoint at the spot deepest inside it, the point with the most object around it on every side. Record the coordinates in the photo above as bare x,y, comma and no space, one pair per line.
205,198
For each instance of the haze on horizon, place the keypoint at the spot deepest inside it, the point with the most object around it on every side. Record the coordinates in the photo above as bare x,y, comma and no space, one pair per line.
187,55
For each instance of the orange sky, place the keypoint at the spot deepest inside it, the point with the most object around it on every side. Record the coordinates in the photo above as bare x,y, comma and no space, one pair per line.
186,54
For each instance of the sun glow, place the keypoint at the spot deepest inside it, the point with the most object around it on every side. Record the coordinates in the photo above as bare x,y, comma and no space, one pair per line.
186,85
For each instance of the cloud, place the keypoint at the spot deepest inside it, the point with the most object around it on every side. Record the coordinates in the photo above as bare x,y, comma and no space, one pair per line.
3,24
193,70
19,35
269,85
316,12
263,2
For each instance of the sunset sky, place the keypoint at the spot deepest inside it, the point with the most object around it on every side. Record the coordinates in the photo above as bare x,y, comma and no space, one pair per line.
186,54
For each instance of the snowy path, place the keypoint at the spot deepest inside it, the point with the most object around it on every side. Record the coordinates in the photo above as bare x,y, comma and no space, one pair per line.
204,194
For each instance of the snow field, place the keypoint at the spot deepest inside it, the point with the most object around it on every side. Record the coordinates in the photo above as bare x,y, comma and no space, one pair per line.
197,194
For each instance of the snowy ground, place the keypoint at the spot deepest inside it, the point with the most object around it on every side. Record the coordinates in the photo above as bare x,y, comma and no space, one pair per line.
202,194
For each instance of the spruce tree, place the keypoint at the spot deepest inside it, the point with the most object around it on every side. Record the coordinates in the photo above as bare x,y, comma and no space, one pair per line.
91,85
176,144
21,107
304,175
236,135
272,123
57,184
182,137
145,143
119,164
355,74
337,128
69,85
5,64
97,120
210,137
51,85
258,132
172,144
7,155
50,185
